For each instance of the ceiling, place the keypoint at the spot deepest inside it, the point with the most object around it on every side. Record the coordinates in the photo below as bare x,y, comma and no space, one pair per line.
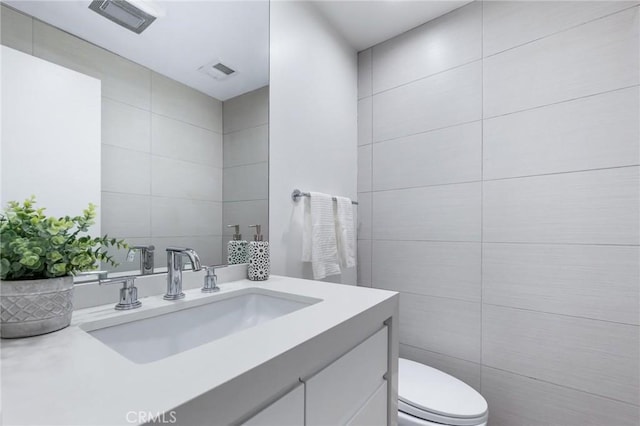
186,35
365,23
191,33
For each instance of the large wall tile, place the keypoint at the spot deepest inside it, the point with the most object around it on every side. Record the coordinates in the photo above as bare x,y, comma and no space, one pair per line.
16,30
171,217
512,23
595,132
599,282
126,171
450,155
444,213
247,110
429,268
182,141
125,126
122,80
244,183
245,213
445,99
364,121
447,326
468,372
364,73
125,215
246,146
364,214
364,263
183,103
364,168
208,247
446,42
592,58
181,179
595,207
594,356
515,400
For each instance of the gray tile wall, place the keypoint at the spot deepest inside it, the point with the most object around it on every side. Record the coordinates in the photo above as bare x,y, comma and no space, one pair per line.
246,164
161,144
499,182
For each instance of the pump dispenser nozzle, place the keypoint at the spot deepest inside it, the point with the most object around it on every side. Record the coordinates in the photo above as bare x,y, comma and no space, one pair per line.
236,232
258,235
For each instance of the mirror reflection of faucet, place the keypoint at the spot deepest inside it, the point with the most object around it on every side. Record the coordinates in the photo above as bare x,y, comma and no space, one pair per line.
174,270
146,258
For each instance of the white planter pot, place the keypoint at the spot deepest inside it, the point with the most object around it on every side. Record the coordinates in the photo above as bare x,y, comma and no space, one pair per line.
34,307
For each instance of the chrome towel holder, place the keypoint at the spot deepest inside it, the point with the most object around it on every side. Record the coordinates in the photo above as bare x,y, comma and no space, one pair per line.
297,194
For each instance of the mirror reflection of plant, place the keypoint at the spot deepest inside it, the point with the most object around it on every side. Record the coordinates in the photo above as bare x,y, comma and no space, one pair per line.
35,246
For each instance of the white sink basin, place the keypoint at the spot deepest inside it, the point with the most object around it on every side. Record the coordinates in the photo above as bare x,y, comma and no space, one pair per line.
157,337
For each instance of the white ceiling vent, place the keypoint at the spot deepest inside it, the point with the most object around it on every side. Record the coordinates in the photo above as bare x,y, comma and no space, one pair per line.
123,13
217,70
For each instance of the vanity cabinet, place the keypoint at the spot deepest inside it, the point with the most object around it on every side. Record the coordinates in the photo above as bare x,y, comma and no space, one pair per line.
352,390
286,411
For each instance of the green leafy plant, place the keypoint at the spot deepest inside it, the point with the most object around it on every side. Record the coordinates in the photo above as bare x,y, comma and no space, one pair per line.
35,246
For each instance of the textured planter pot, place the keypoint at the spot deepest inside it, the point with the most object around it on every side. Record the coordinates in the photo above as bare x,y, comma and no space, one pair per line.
33,307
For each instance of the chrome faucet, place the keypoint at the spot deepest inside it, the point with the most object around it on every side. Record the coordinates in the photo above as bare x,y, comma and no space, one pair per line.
174,270
146,258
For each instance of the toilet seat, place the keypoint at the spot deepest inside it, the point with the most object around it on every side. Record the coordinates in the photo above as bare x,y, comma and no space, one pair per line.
431,395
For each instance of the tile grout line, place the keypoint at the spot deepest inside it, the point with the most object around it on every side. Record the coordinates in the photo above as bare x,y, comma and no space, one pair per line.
252,127
371,169
466,182
425,77
166,196
580,317
528,109
573,27
151,227
235,166
481,184
619,401
534,243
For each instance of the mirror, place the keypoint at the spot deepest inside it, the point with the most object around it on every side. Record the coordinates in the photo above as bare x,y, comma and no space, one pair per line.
184,116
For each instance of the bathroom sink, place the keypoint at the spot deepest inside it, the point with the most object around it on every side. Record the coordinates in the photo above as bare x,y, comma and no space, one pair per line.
166,334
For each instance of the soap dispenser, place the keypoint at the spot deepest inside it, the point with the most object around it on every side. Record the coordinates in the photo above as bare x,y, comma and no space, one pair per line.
259,261
237,248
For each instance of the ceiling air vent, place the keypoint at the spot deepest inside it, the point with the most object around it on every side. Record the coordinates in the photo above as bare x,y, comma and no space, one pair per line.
217,70
123,13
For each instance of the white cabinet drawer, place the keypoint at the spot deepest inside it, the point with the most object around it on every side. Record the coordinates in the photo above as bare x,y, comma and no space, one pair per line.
337,393
374,411
286,411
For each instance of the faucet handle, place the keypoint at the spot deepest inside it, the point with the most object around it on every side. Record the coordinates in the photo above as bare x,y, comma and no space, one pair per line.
128,292
211,279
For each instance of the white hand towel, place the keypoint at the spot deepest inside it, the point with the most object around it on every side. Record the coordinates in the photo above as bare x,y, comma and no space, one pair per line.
345,232
307,230
319,236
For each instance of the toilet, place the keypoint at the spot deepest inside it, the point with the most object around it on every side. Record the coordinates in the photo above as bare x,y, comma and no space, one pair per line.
429,397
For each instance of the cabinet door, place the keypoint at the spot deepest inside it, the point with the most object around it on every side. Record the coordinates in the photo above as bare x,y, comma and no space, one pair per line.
337,393
374,411
286,411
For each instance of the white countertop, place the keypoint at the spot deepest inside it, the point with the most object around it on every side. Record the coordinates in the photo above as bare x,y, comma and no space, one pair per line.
70,378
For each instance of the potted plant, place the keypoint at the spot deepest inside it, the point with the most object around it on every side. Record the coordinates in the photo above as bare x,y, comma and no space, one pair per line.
39,255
